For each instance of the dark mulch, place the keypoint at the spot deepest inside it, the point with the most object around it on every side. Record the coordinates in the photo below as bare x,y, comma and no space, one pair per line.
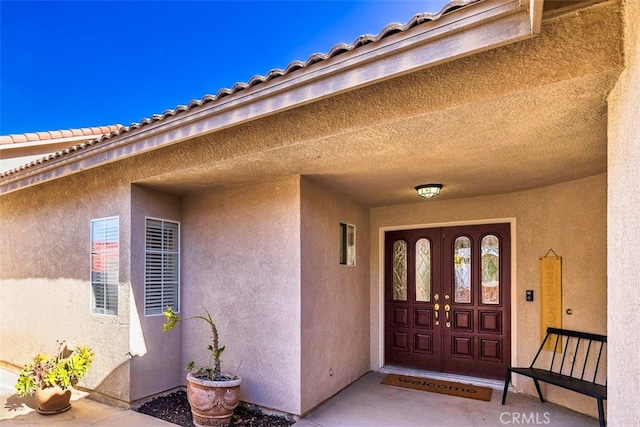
175,409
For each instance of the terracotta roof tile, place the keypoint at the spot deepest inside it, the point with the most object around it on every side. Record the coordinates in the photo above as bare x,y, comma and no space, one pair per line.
48,135
255,80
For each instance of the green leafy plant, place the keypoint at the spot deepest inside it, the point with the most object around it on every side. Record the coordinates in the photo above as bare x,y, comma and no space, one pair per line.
211,371
63,369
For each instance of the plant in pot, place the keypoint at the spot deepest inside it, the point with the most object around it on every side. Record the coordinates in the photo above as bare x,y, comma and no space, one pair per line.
50,377
212,394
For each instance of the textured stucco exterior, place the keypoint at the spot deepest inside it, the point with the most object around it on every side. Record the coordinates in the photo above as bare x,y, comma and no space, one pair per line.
241,259
569,218
45,281
152,351
624,230
335,309
526,133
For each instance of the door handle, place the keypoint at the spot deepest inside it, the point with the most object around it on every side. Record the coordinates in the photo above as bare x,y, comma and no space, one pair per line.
436,313
447,309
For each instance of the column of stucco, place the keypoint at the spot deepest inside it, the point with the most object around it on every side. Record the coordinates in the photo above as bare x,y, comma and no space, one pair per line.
624,231
45,276
335,308
569,218
241,260
152,350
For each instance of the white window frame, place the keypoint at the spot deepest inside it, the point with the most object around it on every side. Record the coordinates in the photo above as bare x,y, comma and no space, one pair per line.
347,244
153,309
109,257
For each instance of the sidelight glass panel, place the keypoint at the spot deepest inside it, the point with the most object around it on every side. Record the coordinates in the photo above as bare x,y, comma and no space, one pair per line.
400,270
423,270
490,251
462,269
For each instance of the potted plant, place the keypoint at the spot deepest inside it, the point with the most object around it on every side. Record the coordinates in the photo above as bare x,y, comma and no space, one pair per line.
212,394
50,377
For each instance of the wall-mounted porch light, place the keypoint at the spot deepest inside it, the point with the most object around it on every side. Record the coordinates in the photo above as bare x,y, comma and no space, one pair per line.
428,190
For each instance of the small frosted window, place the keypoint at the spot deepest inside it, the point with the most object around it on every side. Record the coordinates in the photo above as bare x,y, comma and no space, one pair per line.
347,244
423,270
400,270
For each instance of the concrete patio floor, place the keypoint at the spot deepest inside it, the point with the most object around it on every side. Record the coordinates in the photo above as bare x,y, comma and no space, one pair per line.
369,403
364,403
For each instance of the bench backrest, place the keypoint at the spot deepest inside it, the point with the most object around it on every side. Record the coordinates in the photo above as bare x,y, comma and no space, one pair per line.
575,354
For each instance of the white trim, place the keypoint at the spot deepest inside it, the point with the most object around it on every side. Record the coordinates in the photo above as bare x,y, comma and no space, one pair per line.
535,15
514,308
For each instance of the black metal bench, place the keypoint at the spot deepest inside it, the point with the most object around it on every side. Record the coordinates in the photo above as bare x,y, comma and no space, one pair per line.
579,353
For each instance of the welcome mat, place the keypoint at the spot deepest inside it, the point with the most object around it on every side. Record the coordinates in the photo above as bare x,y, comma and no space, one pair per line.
438,386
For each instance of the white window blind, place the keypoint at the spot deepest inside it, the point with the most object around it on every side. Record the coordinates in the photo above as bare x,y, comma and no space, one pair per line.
162,266
105,265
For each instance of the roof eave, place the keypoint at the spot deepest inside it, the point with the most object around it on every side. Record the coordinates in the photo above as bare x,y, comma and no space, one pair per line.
475,28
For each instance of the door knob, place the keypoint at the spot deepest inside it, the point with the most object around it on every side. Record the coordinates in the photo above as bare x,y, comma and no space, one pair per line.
436,313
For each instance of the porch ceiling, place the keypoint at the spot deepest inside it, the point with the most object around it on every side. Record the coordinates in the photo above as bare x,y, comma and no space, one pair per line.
519,117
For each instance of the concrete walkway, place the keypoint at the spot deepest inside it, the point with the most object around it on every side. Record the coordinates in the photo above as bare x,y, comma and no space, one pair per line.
365,403
19,411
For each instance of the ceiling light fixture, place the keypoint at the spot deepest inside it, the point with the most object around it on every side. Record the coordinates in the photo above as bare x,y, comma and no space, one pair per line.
428,190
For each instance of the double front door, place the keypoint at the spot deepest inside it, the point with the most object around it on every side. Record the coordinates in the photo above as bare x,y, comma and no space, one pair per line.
447,299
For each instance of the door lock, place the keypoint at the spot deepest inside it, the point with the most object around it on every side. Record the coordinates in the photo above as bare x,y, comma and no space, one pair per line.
447,309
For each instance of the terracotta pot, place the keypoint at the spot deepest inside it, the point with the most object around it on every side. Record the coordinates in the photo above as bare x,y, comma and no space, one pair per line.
212,402
53,400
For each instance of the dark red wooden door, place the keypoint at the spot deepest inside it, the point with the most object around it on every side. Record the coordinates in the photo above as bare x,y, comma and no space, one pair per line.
413,336
447,299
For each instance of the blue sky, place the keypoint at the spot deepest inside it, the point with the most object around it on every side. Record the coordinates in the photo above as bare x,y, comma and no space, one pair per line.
91,63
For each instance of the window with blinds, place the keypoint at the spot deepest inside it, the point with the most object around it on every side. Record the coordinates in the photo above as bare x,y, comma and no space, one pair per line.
105,265
162,266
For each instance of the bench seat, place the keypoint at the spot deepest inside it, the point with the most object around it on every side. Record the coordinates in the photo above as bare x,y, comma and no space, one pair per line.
579,353
570,383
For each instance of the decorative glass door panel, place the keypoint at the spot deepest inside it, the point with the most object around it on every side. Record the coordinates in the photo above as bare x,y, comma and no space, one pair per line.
462,269
423,270
400,270
447,296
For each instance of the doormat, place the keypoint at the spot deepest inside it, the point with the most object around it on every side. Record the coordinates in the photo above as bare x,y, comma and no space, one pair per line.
438,386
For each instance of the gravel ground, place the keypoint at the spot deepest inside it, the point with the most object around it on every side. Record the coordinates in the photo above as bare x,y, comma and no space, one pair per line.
174,408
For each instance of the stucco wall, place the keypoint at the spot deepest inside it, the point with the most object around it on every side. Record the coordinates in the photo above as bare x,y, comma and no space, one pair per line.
335,308
152,350
45,275
569,218
241,259
624,230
